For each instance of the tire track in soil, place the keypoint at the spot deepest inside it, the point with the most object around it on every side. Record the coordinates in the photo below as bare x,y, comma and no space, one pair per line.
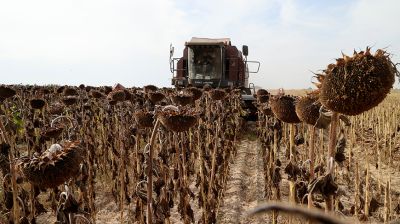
244,189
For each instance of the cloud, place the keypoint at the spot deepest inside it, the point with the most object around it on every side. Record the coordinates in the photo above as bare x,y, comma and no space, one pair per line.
103,42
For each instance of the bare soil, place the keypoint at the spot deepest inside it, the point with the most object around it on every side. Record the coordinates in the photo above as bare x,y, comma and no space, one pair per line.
245,185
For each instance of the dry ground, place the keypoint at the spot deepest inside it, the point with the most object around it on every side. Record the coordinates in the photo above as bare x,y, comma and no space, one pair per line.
245,185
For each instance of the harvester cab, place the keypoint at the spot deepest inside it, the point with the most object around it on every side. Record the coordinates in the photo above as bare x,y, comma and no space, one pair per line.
213,62
217,63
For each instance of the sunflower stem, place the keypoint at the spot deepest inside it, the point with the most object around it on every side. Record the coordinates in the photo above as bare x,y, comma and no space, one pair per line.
6,139
331,154
292,186
150,177
312,161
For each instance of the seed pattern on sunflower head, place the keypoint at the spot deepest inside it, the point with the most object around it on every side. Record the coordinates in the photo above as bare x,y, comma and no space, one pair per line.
358,83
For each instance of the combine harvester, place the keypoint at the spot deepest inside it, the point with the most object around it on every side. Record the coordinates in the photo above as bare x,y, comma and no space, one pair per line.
216,63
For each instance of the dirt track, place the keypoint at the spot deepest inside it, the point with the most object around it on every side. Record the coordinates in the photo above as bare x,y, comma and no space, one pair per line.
245,185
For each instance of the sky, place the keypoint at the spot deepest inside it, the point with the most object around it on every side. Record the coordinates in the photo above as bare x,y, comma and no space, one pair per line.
103,42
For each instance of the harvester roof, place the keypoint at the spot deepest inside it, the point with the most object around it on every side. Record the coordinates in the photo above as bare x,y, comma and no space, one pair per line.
208,41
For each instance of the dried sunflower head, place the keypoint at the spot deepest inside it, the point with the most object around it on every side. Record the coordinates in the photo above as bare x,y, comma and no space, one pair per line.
283,107
217,94
155,97
144,118
149,88
54,166
195,92
307,108
182,99
266,110
261,92
358,83
70,91
6,92
70,100
177,119
96,94
56,108
263,98
51,132
117,95
37,103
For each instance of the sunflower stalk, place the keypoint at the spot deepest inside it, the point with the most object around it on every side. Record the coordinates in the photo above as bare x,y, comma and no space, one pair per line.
292,186
331,154
150,174
14,187
312,162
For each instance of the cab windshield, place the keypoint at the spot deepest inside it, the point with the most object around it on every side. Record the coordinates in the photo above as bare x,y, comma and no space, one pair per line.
205,62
